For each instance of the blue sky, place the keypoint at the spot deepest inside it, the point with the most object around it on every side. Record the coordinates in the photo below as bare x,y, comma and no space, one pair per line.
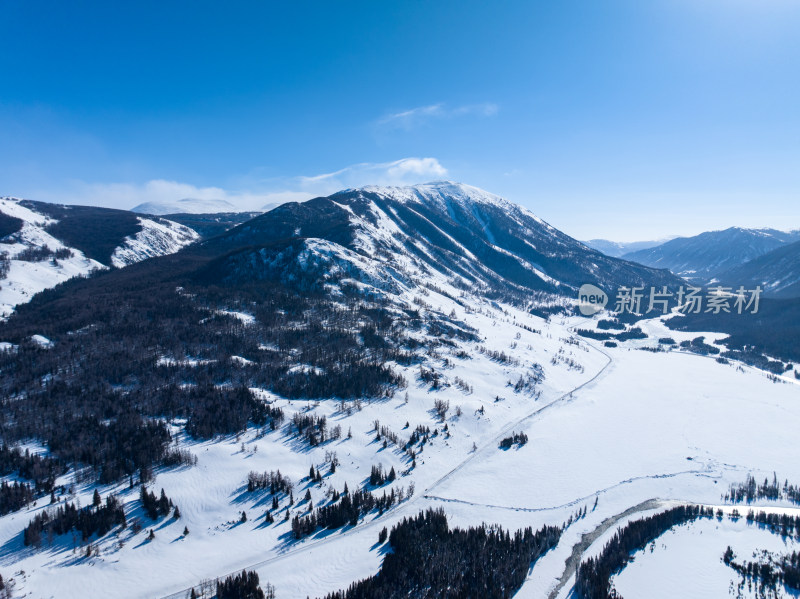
622,119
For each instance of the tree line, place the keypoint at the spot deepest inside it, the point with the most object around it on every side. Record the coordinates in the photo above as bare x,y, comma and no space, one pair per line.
593,579
428,559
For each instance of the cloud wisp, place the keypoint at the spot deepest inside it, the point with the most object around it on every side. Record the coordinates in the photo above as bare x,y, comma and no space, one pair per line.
421,115
405,171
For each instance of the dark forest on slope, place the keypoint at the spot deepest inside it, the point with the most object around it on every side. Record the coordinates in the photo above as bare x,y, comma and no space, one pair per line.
156,340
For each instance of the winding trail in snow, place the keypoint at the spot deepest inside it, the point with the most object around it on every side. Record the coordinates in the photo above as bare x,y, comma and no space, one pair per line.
574,560
588,538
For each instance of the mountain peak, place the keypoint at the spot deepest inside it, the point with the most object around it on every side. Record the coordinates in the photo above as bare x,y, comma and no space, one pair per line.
443,194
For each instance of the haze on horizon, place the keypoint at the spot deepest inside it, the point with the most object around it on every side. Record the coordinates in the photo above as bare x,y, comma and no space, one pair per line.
625,120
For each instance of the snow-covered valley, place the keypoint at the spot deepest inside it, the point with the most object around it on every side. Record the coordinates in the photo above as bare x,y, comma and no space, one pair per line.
617,425
483,405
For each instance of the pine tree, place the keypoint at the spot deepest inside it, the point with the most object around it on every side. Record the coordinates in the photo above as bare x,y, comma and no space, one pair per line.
96,501
185,530
274,502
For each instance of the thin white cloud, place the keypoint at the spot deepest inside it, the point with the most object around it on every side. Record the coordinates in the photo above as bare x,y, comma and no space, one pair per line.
399,172
405,171
415,117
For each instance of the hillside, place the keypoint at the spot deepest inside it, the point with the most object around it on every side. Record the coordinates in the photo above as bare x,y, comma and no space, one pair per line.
334,367
777,272
42,245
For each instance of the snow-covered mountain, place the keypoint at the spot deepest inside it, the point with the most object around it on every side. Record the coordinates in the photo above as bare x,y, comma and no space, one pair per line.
617,249
475,239
777,272
42,245
322,345
703,257
185,206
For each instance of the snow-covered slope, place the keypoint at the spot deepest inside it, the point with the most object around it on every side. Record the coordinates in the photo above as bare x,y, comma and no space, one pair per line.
157,238
777,272
42,245
471,237
615,431
619,425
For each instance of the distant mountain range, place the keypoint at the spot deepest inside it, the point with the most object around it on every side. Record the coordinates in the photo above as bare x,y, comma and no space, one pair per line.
185,206
709,257
385,239
617,249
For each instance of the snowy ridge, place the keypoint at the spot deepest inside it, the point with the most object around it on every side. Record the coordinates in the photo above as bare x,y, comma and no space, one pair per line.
23,274
25,278
157,238
445,193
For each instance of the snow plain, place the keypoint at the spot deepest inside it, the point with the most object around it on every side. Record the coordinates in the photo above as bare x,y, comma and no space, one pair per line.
623,427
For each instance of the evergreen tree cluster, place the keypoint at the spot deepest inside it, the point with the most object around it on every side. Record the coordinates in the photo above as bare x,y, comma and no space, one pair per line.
221,411
156,507
632,333
498,356
42,253
242,586
429,560
378,478
780,524
518,439
42,470
5,264
6,588
313,428
14,496
767,572
90,520
430,377
750,491
593,580
383,432
347,511
421,433
274,481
